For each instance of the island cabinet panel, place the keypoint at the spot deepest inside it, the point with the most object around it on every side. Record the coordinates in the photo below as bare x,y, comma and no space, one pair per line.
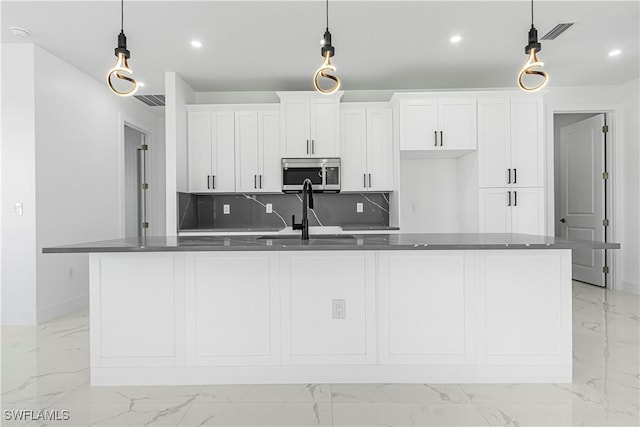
232,309
524,319
426,309
313,331
133,310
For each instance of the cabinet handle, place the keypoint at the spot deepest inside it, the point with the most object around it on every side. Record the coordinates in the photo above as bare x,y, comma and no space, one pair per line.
369,180
208,185
435,138
515,198
213,181
307,146
509,198
364,180
441,138
509,175
260,181
313,146
255,181
515,176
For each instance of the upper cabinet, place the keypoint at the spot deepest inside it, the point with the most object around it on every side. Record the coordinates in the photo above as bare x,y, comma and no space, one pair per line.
367,152
257,136
437,122
211,151
310,124
510,136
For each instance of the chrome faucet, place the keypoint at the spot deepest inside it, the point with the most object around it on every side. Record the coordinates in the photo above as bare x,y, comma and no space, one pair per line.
307,203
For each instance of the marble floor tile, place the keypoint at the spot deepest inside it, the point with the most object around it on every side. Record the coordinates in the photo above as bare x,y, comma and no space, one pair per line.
258,414
398,393
293,393
406,414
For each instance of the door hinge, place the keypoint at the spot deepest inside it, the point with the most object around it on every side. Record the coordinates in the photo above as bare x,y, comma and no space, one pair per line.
605,128
605,175
145,225
145,186
605,222
605,269
144,147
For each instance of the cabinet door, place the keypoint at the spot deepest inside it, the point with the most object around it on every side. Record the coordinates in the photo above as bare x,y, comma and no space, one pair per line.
494,134
295,123
418,124
426,307
495,210
223,152
199,147
247,153
270,179
527,211
354,154
325,127
232,308
526,142
379,150
457,122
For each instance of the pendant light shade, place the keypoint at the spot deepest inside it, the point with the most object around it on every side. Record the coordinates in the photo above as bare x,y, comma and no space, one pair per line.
122,65
533,65
327,52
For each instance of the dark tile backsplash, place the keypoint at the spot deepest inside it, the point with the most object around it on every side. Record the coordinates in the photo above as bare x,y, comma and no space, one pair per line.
204,212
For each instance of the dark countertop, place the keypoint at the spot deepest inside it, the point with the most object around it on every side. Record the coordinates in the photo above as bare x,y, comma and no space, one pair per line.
348,227
400,241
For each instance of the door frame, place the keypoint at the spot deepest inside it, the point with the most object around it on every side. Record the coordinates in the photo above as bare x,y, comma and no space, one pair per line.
124,120
612,112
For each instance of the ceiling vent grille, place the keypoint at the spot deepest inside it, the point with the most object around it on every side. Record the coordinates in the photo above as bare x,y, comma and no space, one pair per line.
557,30
152,100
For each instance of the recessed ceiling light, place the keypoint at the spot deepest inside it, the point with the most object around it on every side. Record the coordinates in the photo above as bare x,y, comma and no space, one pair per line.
19,32
141,84
615,52
196,43
455,39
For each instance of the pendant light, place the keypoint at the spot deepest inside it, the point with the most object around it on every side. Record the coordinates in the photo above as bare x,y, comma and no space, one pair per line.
327,52
533,65
122,65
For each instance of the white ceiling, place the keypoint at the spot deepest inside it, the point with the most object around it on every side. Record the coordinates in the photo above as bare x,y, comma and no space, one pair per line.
270,45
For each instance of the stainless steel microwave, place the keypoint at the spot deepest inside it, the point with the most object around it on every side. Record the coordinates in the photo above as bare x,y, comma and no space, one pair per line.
323,173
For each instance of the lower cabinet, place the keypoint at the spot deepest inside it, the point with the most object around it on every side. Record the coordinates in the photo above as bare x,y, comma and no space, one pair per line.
327,307
426,307
232,311
511,210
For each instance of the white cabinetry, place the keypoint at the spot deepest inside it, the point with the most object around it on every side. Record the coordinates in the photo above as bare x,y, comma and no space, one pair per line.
233,303
367,152
257,135
426,310
310,124
512,210
313,332
211,151
439,123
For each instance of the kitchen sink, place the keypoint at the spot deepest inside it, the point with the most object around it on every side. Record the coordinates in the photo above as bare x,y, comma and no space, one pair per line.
311,237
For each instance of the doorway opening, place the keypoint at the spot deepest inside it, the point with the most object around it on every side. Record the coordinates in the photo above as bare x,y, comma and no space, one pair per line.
582,196
135,182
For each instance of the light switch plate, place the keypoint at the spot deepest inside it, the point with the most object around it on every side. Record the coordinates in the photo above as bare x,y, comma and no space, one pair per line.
339,309
226,209
269,208
359,207
17,209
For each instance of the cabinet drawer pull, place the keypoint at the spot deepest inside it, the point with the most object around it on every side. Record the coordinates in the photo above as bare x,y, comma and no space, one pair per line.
369,180
213,181
255,181
307,146
435,138
364,180
441,138
509,198
515,176
313,146
509,176
515,198
208,185
260,181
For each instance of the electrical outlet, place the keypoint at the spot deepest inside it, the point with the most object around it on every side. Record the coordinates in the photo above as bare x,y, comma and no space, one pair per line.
71,273
226,209
17,209
339,309
359,207
269,208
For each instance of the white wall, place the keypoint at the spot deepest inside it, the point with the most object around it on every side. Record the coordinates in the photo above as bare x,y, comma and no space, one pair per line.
178,94
622,102
18,233
70,178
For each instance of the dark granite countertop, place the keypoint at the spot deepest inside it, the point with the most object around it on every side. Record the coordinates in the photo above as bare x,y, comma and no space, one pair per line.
400,241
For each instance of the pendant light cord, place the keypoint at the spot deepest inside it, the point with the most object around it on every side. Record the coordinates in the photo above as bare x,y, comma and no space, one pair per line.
531,13
327,10
122,15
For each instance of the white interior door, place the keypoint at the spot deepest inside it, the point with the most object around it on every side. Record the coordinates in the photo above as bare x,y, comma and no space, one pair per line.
582,194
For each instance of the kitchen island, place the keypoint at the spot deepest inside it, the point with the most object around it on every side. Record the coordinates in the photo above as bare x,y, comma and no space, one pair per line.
407,308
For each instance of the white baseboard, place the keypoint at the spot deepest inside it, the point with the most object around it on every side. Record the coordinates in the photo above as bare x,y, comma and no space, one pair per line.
625,286
62,308
18,317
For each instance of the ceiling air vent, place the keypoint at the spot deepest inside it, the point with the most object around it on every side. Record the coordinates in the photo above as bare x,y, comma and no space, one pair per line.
152,100
557,30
